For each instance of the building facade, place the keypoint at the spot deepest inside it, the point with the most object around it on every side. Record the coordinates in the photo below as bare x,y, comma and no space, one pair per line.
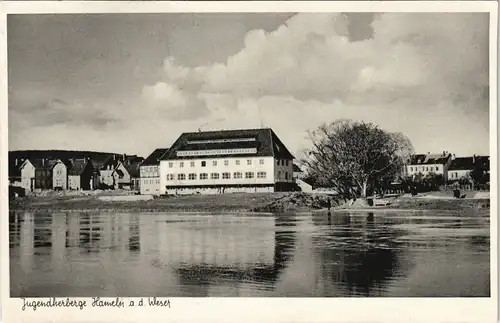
81,175
108,179
50,174
462,167
214,162
429,164
149,172
134,172
22,174
27,175
59,176
114,175
123,176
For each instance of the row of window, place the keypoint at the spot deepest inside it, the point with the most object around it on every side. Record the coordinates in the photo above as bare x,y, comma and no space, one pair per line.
203,163
48,172
427,169
219,141
151,181
213,152
150,171
204,176
282,162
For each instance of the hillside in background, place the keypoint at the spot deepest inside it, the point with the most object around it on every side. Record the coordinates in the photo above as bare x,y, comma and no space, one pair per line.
68,155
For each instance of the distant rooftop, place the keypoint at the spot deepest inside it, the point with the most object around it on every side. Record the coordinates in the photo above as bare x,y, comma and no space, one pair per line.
154,158
428,159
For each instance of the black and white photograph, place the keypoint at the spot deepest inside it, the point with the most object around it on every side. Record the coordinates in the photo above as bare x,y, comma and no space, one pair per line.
329,154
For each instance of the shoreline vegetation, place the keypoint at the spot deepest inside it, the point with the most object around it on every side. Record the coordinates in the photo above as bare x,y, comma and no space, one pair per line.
240,202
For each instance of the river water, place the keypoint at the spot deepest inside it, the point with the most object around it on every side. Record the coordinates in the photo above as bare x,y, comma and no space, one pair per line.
248,255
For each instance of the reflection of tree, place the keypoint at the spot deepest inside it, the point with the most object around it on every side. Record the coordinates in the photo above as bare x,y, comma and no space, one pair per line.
284,246
361,254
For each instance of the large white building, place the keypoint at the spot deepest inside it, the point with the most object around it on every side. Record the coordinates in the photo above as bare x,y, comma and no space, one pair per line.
251,160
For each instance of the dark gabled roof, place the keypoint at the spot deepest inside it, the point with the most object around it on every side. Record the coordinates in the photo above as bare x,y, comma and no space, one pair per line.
78,166
113,162
154,158
133,169
44,164
462,163
15,170
428,159
264,141
99,161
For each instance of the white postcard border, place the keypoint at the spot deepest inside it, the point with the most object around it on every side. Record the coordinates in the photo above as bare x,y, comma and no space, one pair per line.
256,309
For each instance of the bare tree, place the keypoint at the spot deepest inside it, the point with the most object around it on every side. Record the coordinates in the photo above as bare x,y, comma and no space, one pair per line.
348,155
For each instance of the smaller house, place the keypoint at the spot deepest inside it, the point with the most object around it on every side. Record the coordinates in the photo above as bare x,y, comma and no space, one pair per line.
27,175
150,173
81,175
50,174
460,168
429,163
133,169
114,174
98,163
123,176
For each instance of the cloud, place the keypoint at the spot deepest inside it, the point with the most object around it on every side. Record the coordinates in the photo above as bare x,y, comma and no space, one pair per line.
414,64
311,57
37,109
423,74
167,100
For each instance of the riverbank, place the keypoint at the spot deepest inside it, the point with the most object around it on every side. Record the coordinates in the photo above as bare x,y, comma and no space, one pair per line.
237,202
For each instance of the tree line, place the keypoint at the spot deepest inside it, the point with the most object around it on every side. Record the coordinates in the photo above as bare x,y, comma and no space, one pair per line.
357,158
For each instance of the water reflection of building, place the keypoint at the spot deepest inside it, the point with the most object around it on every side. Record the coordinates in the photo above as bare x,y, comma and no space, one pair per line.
194,251
236,252
14,229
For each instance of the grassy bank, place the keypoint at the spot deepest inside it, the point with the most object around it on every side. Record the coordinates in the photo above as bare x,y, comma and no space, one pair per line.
238,202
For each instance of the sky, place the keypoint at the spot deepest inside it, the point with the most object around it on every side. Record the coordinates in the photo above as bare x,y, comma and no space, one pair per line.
130,83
